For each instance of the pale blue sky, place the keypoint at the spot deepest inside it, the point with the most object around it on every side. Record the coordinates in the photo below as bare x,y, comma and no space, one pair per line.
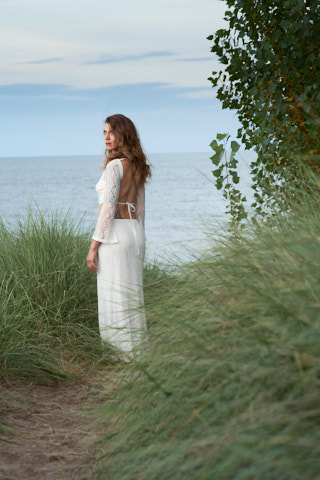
67,64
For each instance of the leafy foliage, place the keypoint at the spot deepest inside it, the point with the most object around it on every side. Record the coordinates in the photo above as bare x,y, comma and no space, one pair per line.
227,177
271,51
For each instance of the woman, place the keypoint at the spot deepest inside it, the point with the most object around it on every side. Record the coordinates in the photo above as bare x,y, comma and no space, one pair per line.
118,243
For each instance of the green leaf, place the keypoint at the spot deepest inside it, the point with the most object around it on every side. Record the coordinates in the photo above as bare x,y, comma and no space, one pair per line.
213,144
215,159
217,172
221,136
235,178
233,163
220,33
219,183
272,87
285,24
234,146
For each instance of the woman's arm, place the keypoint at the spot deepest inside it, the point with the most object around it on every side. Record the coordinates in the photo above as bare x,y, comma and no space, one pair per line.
93,252
103,231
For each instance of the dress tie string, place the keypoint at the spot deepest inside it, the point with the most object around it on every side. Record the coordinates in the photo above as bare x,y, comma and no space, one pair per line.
131,207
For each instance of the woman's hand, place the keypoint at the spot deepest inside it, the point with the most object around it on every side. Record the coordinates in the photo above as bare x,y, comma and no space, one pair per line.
92,255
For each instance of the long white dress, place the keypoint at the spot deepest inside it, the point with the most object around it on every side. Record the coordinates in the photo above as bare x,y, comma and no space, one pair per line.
122,321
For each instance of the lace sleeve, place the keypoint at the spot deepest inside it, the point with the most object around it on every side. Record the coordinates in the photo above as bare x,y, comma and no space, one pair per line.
140,204
104,231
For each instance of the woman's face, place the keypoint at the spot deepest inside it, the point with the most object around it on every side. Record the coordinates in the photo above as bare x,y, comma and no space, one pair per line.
109,137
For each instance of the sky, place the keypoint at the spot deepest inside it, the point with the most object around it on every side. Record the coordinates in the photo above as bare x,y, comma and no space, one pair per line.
67,64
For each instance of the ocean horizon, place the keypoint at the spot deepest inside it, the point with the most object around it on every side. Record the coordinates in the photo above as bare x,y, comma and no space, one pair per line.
181,199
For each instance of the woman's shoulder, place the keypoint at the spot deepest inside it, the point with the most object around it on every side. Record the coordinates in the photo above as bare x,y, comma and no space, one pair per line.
113,163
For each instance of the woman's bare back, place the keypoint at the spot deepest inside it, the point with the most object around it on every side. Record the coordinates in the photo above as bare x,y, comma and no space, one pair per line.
128,189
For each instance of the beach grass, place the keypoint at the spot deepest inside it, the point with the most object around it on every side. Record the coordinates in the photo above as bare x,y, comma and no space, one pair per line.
228,384
228,387
48,306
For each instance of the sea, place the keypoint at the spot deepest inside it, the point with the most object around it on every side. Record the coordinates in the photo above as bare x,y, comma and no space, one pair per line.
182,202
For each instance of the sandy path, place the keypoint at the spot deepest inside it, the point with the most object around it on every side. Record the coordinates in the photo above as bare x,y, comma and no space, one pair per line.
53,440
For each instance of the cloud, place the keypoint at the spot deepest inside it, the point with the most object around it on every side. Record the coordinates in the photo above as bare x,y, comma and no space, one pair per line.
143,97
33,90
64,120
110,58
195,59
155,92
200,94
45,60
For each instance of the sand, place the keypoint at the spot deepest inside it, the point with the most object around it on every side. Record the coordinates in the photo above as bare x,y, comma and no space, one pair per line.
53,438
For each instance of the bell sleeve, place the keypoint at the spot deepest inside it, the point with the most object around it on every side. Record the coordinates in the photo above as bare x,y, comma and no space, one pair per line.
140,204
104,231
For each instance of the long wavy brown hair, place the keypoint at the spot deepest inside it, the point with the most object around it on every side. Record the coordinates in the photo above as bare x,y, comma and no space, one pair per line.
129,145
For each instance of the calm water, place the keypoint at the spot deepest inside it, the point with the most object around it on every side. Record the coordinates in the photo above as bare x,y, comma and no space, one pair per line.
180,196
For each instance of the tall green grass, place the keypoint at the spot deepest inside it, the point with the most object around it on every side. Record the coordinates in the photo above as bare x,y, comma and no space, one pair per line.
229,386
48,306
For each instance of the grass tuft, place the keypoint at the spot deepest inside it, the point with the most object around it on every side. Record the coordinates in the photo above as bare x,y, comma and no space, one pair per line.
48,307
228,387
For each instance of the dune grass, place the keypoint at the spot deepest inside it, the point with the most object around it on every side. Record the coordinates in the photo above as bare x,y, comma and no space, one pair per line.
48,306
229,386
